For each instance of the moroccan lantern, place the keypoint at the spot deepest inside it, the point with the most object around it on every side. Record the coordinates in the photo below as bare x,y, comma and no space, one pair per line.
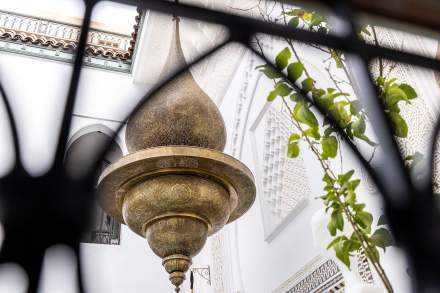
177,187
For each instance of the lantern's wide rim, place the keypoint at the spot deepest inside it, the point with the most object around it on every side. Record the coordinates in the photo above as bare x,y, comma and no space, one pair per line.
116,179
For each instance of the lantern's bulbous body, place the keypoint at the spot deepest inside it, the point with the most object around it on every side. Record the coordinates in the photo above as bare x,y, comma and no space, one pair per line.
180,114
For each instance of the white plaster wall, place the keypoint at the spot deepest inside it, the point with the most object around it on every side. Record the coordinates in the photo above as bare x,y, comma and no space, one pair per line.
265,265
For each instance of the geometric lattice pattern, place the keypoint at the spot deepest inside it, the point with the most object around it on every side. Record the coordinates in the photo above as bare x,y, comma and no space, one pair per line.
326,278
363,267
285,183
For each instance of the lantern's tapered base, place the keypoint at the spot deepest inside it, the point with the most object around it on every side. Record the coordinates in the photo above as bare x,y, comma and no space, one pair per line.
176,197
177,265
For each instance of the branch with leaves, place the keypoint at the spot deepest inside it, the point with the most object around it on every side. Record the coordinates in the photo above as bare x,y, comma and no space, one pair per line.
340,198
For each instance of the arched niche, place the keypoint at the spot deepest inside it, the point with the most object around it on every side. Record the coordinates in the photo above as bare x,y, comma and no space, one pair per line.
83,147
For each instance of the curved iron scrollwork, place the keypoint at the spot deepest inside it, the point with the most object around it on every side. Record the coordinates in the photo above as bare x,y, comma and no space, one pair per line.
53,208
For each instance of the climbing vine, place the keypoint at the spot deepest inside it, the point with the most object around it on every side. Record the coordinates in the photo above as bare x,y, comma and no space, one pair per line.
340,188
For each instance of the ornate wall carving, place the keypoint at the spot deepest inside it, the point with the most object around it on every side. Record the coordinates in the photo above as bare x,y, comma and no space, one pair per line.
363,267
319,275
283,183
217,264
220,245
284,187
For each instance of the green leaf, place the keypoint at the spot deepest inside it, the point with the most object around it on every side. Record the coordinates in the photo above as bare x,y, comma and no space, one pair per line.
317,93
364,219
294,22
359,207
349,131
295,70
342,252
355,107
366,139
358,126
389,83
400,128
338,94
268,71
344,178
312,132
380,81
340,114
272,96
293,150
336,240
332,226
382,221
409,91
350,197
325,101
394,95
328,180
283,89
354,184
339,220
308,84
316,19
282,58
294,137
352,245
302,114
330,146
295,98
382,238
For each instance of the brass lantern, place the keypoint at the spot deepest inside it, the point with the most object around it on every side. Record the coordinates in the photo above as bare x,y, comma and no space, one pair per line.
177,187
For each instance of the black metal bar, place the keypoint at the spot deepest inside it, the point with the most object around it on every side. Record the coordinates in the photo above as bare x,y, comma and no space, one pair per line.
13,126
238,23
73,88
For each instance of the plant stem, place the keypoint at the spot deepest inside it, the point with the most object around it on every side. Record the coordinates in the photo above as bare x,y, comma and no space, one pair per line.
290,42
364,242
367,247
327,170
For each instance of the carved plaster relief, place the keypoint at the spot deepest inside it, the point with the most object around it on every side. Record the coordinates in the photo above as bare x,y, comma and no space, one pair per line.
283,184
224,250
319,275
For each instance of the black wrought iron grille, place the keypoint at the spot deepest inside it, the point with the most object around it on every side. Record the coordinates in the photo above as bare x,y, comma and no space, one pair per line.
38,212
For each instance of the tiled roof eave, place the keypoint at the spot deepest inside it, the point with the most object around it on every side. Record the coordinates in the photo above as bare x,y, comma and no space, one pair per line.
99,48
